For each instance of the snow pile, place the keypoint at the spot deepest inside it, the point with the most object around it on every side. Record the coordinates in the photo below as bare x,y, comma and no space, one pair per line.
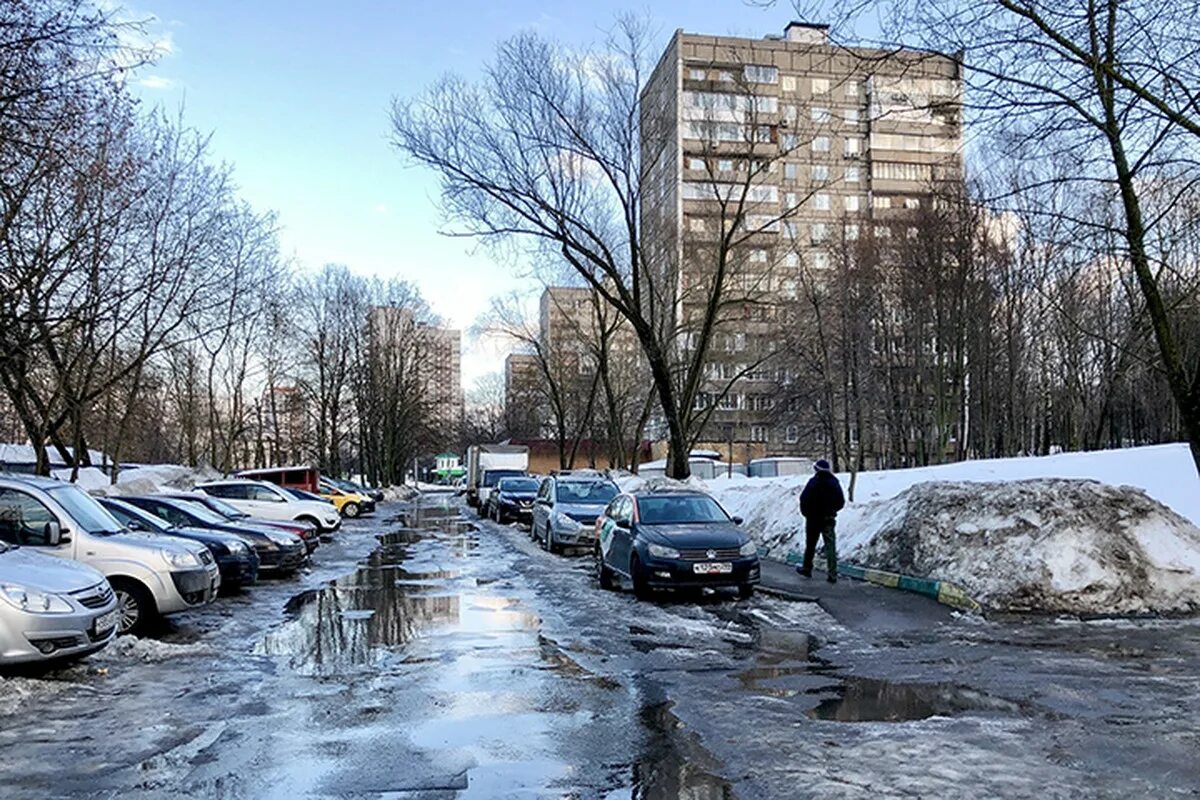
149,651
141,480
15,692
628,482
402,493
1068,546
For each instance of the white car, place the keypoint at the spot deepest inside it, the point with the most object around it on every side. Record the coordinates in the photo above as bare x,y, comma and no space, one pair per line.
150,574
267,501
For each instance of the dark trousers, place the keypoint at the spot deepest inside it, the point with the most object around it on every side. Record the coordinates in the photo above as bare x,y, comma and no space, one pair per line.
825,529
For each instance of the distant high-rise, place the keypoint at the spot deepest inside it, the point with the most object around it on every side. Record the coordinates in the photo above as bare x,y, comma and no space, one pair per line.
818,145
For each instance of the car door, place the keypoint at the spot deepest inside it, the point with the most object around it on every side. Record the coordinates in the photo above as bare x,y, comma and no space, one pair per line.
542,506
618,533
26,521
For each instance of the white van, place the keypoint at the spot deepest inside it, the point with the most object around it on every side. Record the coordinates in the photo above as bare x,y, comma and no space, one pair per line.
267,501
151,575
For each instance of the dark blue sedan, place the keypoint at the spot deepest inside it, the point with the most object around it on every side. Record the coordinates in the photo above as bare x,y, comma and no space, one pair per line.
673,540
512,499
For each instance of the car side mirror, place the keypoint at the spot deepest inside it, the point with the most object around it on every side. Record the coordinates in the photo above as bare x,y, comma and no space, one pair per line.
542,501
738,520
135,525
55,535
622,523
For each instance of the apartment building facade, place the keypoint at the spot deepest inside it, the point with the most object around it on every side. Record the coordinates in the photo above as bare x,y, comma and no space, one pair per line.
763,158
434,353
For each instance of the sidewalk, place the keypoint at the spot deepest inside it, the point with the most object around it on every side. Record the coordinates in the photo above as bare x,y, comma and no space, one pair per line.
855,604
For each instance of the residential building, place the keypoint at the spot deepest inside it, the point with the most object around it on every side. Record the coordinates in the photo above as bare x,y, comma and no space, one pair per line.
796,146
436,355
523,413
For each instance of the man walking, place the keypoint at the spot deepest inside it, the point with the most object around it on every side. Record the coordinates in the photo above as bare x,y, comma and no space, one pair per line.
820,502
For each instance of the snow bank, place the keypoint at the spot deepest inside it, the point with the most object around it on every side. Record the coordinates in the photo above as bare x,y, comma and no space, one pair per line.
15,692
141,480
401,493
1039,545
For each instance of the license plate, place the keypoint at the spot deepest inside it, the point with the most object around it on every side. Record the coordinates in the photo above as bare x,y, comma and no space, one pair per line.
712,568
105,622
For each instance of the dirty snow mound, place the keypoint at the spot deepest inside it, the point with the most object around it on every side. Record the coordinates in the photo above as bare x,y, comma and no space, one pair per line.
636,483
402,493
1054,545
16,692
148,651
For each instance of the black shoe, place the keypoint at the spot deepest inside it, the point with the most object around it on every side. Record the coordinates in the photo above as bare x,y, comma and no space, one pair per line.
832,579
805,573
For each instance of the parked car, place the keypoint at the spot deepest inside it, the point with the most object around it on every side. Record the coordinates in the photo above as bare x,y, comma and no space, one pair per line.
266,500
279,552
513,499
236,559
51,609
151,575
566,508
305,530
348,503
350,486
673,540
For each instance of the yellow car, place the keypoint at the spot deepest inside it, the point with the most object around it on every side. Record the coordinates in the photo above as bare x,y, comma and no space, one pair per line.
348,504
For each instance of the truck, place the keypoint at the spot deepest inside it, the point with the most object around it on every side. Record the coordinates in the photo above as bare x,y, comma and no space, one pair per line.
488,463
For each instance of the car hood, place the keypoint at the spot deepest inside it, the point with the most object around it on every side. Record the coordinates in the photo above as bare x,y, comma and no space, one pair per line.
45,573
204,535
716,535
162,541
581,509
519,495
313,507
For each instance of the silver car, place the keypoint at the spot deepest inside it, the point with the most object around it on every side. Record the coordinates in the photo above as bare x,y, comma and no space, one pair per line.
566,508
52,609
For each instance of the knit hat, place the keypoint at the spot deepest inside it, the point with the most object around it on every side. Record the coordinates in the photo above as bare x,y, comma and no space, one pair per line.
822,466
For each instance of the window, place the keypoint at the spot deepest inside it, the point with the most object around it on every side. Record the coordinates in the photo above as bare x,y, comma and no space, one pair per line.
789,200
696,163
697,74
732,402
791,229
820,232
791,113
851,202
791,434
763,193
820,260
820,172
264,495
725,165
820,144
762,133
852,233
758,73
895,171
766,105
850,115
790,171
853,174
881,202
883,232
853,145
821,114
725,76
758,433
24,520
820,86
758,256
696,224
788,83
821,202
788,288
853,90
912,202
787,141
791,260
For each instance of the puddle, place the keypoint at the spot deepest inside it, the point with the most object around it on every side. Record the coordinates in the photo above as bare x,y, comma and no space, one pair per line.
870,700
673,764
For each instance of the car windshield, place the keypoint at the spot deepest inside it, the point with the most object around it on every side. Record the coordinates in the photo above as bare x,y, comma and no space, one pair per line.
591,492
492,477
518,485
300,494
222,508
202,512
679,509
125,514
88,514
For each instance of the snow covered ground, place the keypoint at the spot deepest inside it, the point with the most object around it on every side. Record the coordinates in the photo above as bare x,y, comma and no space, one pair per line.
1164,472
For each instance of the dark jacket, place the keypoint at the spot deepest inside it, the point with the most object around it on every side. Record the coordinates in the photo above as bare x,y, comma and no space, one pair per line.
822,497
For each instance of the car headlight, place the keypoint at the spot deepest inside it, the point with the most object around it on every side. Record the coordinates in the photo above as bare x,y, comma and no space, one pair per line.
748,549
33,601
183,560
565,523
281,539
659,551
237,548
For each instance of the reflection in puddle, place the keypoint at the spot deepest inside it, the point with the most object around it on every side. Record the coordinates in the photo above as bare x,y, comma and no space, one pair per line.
673,764
869,700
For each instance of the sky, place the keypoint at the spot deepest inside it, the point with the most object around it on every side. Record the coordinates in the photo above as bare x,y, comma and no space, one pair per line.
296,96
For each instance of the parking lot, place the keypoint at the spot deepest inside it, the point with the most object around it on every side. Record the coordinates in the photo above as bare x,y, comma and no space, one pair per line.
429,654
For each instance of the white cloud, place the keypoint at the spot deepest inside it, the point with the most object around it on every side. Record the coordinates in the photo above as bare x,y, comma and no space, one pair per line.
156,82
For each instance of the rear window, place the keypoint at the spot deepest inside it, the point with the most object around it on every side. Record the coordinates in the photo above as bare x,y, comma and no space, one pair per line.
679,510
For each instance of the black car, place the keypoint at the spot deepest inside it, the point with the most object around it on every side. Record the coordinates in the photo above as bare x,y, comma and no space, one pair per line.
512,499
279,552
305,530
673,540
235,558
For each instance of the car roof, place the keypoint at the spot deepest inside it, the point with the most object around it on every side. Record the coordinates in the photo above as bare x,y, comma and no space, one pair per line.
238,481
36,481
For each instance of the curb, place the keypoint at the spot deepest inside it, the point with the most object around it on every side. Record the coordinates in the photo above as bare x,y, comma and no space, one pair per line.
944,592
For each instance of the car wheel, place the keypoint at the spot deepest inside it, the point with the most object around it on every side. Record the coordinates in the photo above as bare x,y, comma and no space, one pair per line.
603,573
135,606
552,545
351,510
641,589
745,590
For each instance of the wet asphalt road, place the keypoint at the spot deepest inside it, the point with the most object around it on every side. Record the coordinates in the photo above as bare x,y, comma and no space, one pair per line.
429,655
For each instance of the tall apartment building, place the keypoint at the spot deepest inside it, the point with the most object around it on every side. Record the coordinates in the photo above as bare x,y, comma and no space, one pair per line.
800,145
436,355
524,416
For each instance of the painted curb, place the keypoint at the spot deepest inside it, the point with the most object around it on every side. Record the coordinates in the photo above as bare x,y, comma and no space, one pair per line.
946,593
